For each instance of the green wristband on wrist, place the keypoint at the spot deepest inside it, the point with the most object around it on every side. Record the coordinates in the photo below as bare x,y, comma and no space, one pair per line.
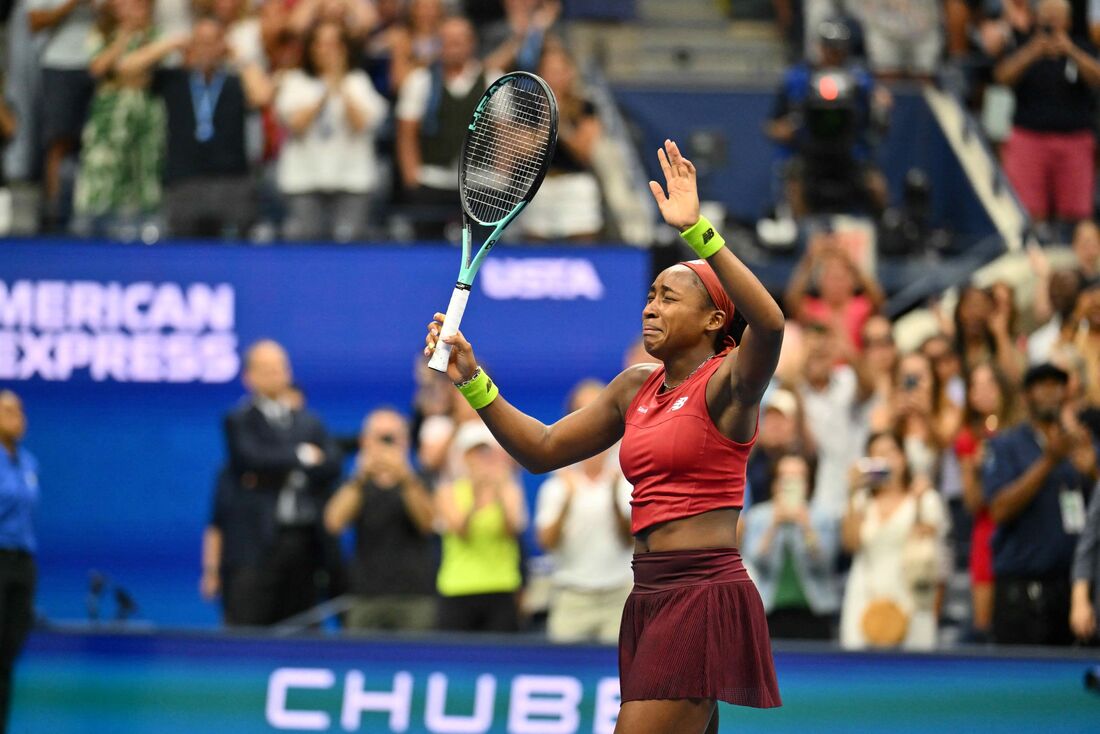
703,239
479,390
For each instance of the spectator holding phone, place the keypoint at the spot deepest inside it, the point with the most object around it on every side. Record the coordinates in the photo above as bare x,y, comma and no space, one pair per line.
791,552
892,529
395,560
924,418
1037,480
1048,158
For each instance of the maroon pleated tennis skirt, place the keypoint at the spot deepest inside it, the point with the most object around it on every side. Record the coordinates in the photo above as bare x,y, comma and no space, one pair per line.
694,627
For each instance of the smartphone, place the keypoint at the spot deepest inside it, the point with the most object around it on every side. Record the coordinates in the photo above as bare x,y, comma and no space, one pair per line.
791,492
874,470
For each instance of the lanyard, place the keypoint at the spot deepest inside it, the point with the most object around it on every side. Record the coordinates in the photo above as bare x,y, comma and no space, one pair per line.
204,98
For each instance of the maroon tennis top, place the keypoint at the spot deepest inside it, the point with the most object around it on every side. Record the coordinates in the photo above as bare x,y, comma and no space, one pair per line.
673,454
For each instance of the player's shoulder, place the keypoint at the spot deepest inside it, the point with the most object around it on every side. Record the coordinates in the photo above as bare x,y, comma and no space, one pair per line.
640,371
630,380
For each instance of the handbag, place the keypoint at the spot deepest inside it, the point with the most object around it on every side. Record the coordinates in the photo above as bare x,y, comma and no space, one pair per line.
884,623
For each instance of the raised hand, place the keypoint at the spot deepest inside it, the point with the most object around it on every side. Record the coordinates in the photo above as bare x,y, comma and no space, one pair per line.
680,207
463,363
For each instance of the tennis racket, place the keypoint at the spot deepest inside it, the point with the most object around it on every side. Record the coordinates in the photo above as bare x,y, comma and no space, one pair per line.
507,151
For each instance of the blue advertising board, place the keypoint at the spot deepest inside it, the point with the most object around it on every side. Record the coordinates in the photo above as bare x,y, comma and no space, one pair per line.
176,684
127,357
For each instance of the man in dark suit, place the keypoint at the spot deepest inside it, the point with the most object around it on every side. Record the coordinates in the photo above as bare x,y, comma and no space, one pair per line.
264,550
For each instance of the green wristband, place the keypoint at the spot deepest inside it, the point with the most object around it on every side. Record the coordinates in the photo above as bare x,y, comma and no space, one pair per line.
703,239
479,390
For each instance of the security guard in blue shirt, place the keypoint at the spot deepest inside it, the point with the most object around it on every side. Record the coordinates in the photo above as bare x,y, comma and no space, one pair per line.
18,497
1038,478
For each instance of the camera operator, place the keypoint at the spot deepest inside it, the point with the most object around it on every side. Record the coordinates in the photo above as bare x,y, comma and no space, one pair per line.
825,119
396,557
1049,156
1037,480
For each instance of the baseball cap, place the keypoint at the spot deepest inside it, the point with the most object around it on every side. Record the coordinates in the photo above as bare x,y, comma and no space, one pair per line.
784,401
472,434
1043,372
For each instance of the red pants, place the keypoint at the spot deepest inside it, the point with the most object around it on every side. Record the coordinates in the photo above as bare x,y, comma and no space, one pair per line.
1053,173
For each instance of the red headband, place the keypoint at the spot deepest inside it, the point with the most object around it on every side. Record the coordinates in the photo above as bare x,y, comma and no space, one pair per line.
717,294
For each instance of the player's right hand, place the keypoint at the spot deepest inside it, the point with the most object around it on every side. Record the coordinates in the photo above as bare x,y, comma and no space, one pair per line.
463,363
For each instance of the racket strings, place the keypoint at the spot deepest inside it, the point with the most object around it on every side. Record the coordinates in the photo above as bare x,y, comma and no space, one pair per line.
505,161
507,151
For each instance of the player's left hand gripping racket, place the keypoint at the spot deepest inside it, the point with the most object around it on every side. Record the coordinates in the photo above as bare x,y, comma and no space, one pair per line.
507,151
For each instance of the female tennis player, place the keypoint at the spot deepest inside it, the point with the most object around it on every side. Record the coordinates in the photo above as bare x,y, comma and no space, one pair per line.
693,631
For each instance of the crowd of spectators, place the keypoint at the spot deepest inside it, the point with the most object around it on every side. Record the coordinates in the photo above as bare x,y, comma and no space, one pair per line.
336,119
890,473
305,120
879,477
1029,68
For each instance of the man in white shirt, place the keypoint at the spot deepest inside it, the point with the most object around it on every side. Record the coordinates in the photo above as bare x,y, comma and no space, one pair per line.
434,108
834,398
66,85
583,520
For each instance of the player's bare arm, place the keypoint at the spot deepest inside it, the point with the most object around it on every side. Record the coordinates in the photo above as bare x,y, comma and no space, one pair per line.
537,446
734,396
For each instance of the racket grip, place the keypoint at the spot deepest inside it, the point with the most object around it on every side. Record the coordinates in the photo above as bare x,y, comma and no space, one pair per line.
455,309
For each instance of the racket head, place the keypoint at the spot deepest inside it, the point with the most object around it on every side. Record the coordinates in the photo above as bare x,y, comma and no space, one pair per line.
508,147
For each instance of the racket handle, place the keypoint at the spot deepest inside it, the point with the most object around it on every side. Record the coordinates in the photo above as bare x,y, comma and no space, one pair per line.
455,309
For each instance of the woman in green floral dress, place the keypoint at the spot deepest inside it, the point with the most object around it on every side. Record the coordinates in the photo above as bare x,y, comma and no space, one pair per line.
123,140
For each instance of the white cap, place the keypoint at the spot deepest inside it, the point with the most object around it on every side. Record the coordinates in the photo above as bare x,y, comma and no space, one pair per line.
472,434
784,401
436,429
